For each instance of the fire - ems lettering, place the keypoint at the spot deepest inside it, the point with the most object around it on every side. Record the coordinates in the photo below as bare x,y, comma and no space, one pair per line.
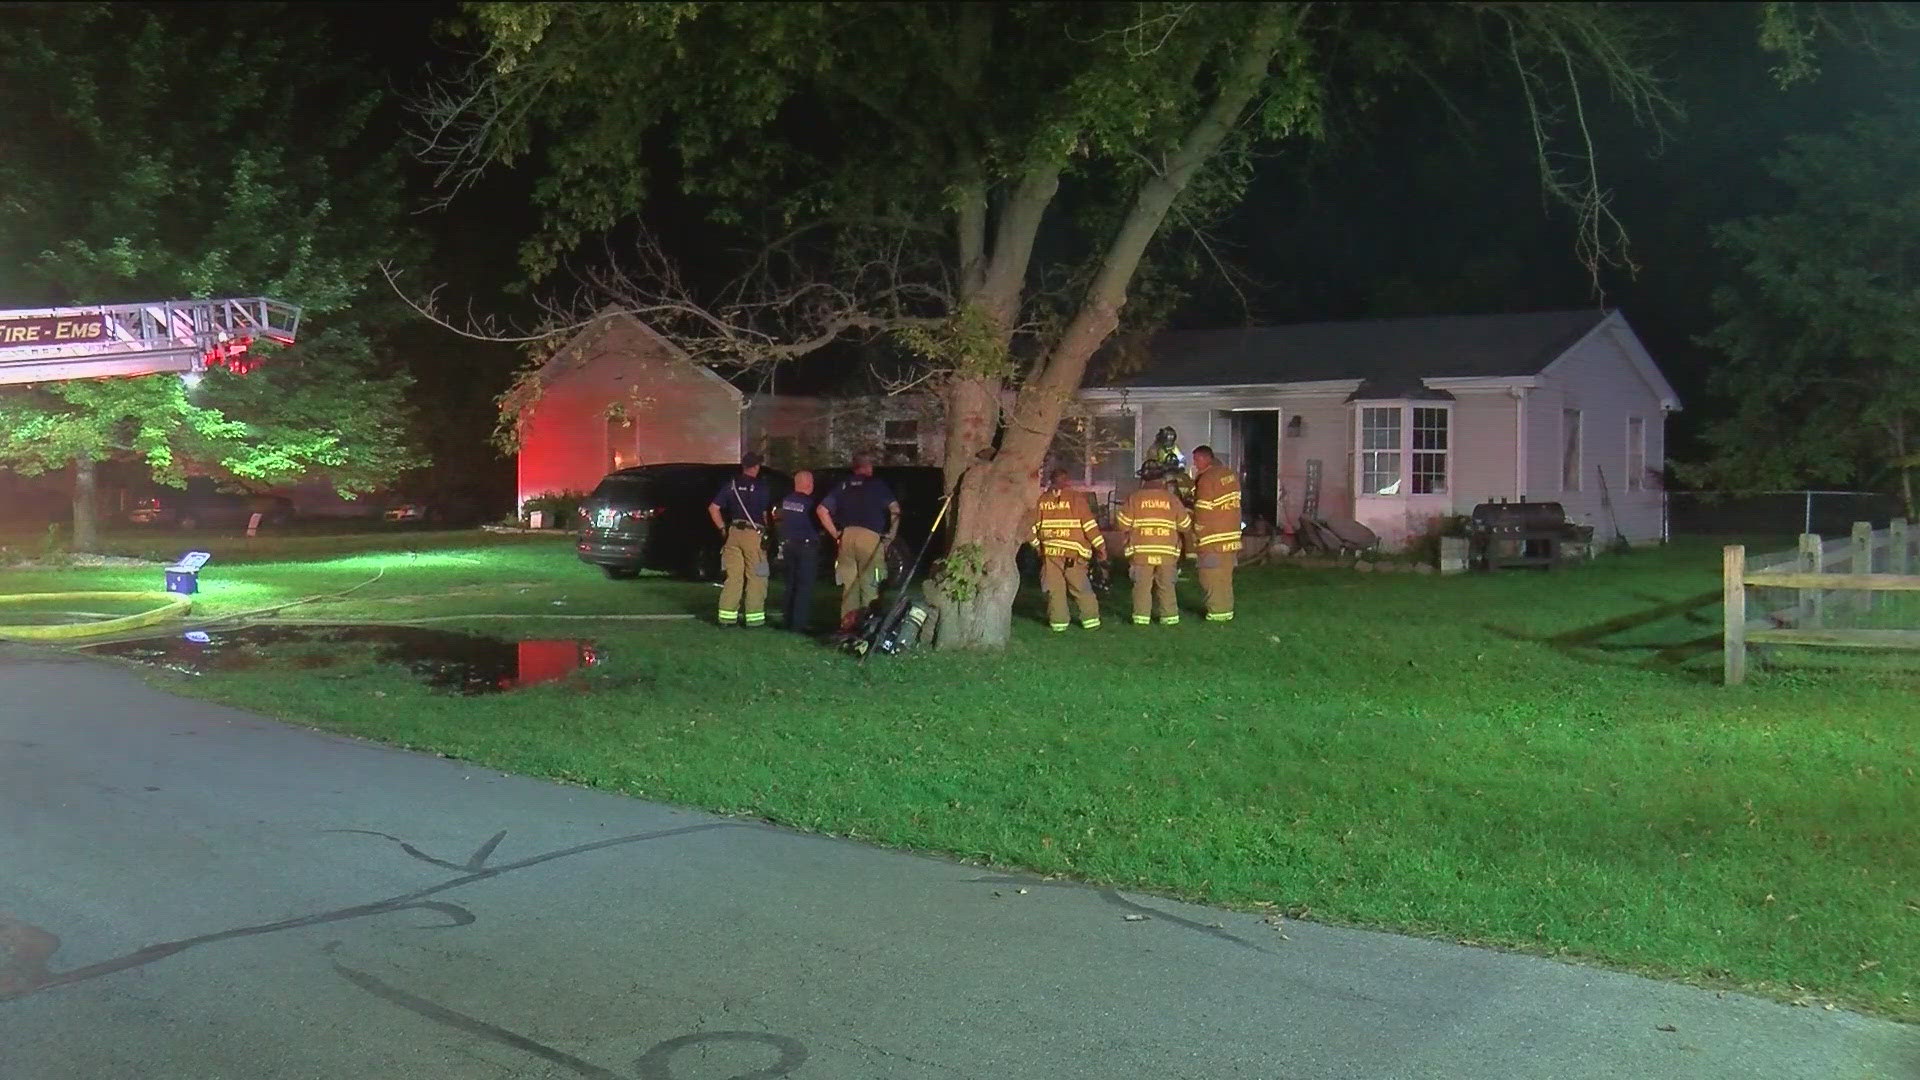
1153,520
51,330
1064,525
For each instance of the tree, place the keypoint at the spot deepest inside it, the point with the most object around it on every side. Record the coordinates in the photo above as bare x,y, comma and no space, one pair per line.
985,183
1822,329
199,157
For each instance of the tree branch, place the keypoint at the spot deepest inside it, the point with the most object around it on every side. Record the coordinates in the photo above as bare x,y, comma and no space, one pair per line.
1098,313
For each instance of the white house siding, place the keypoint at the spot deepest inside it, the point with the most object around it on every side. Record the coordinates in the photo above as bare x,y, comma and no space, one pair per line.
1326,436
1193,421
1598,378
1481,438
1484,436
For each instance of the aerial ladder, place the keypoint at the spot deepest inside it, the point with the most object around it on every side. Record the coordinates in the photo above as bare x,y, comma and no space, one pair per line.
187,337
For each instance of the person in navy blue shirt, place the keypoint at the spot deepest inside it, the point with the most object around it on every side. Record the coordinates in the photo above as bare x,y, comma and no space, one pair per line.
863,517
739,511
799,534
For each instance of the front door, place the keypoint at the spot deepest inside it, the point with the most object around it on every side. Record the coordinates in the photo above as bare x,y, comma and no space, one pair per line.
1255,446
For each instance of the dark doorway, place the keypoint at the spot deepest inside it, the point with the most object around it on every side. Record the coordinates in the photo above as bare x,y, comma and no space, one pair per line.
1256,448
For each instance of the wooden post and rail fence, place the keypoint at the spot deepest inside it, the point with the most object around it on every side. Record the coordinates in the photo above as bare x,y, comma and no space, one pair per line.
1862,566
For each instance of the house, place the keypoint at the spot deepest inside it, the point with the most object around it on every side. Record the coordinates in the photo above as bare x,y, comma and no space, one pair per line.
796,432
619,394
1399,422
1396,423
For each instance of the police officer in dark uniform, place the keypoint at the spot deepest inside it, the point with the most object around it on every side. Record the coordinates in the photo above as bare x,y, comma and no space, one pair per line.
799,549
739,511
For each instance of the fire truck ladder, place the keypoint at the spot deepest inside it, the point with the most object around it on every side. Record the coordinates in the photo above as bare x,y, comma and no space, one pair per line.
52,344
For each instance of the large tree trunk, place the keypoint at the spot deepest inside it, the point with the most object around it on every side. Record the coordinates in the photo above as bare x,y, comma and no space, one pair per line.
996,495
86,527
992,505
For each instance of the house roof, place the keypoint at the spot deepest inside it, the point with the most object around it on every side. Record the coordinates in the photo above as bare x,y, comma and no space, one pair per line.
1380,351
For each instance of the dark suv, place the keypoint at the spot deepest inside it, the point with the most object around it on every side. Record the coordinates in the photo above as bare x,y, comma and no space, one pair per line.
654,517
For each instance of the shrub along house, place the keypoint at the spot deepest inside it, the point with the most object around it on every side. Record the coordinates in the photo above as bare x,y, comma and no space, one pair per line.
1400,422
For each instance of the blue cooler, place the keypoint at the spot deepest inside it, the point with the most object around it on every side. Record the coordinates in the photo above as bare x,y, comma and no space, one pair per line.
183,577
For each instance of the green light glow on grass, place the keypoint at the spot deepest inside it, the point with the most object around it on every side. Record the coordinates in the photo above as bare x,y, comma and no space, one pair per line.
1435,755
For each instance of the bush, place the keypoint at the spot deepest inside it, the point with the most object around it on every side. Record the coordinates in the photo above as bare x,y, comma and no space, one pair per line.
1425,548
560,507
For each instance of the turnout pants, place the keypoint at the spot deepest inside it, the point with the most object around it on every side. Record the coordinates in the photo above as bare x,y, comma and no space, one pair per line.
803,569
1063,577
1216,583
744,596
860,568
1153,590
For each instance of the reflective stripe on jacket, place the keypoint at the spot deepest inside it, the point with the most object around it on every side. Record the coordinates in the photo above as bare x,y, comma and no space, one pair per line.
1216,510
1153,520
1063,525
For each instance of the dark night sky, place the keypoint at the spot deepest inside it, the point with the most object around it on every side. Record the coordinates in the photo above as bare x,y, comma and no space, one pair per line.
1407,213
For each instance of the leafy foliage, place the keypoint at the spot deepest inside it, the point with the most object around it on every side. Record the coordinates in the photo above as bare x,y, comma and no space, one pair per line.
200,158
1823,327
993,184
917,104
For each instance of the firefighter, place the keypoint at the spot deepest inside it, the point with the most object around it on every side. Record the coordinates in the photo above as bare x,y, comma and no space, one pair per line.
1154,520
1164,457
1068,538
739,511
1216,531
855,514
799,530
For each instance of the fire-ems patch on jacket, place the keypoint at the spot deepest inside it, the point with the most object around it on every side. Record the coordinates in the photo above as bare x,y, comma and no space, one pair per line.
1153,519
1216,510
1063,525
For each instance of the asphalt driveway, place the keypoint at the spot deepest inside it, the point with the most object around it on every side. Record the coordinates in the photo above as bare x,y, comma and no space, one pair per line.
188,891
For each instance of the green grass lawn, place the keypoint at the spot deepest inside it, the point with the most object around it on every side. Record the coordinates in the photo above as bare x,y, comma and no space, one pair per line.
1539,761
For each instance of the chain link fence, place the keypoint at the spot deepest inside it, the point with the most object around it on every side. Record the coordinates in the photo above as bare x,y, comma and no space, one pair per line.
1777,513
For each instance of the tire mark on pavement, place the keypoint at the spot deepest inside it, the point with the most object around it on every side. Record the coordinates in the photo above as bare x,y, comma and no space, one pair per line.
655,1064
1112,896
20,978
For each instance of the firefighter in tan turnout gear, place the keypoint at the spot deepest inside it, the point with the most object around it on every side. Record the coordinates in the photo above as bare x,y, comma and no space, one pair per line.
1216,531
1068,538
1154,520
739,511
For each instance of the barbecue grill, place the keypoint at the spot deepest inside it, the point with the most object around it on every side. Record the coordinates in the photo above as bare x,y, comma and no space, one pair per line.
1505,534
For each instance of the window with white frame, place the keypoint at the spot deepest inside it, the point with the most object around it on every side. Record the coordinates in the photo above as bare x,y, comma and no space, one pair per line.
1404,449
1429,473
1636,453
1570,450
1380,450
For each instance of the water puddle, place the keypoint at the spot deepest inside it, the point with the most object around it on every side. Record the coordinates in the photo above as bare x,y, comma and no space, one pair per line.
443,659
